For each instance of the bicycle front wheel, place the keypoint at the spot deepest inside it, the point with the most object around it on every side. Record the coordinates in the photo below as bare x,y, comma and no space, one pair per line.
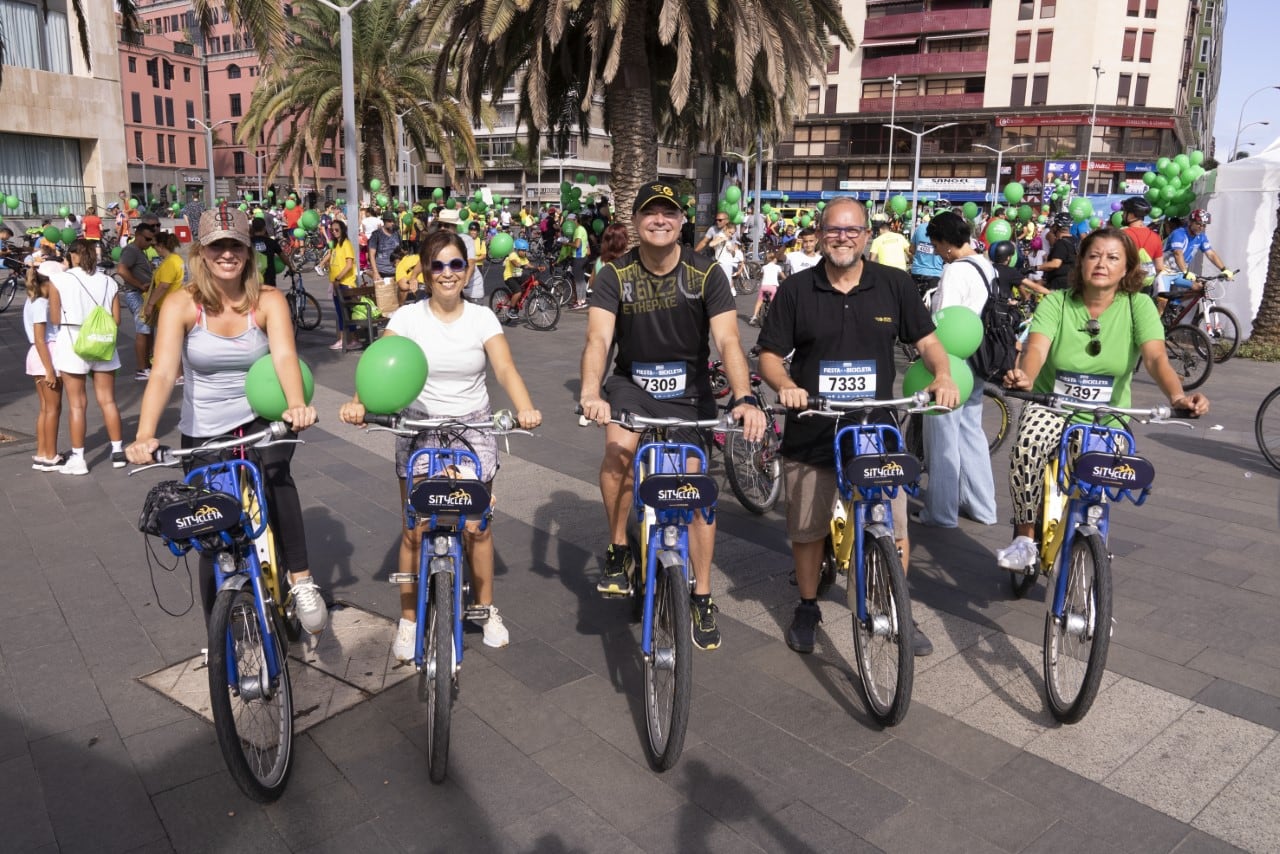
435,680
754,469
541,309
8,290
305,309
883,641
668,670
559,287
995,416
1075,643
1266,428
1224,332
252,713
1189,352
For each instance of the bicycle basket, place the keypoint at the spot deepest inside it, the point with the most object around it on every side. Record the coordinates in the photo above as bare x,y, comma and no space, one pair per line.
180,511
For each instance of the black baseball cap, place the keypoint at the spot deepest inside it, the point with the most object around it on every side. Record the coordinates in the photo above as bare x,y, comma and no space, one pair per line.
654,191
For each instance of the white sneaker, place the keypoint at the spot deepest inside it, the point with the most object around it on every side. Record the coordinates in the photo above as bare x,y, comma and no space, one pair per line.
406,637
495,633
74,465
309,605
1021,554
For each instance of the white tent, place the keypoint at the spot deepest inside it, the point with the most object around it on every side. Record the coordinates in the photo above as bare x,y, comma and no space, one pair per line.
1243,200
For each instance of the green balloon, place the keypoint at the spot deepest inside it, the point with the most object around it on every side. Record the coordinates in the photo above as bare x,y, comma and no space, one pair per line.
970,210
1156,213
805,220
917,377
309,220
464,214
12,202
115,253
260,261
68,235
290,205
278,264
133,203
375,185
382,201
266,396
500,246
1094,222
899,204
1117,219
1013,192
1183,161
299,233
597,225
64,211
1149,178
592,180
390,374
52,233
733,194
173,188
437,193
568,228
579,178
243,208
959,329
1025,213
997,230
259,213
1196,158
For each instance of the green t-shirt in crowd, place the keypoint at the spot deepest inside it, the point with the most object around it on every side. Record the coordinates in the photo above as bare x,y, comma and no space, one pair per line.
1123,328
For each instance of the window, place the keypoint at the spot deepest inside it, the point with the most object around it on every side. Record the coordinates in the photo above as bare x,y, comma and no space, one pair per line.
1039,90
1123,90
954,85
815,96
1048,8
235,105
1018,95
326,160
1043,141
807,178
173,158
1022,46
191,151
159,148
226,44
168,112
1106,139
1143,142
1134,7
153,71
135,107
235,42
884,88
237,162
133,64
1148,41
137,144
1197,118
233,72
1130,40
191,113
829,107
159,105
1199,90
35,38
1140,91
821,141
1151,8
167,68
1026,9
186,75
833,64
1044,45
1204,49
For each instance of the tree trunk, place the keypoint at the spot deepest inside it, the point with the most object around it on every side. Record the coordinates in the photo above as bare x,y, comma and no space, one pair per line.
375,154
1266,326
630,106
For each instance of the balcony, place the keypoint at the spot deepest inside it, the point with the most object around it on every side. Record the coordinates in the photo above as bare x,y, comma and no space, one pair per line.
922,103
916,64
927,23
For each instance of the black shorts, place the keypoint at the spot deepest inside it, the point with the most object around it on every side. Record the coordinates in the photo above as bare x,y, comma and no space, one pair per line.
625,395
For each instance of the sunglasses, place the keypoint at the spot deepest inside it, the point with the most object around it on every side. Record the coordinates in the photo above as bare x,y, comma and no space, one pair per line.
457,265
1094,347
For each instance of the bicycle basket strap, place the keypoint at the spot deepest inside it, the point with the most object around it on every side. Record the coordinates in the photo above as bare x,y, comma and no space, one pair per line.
678,491
1124,471
180,511
882,470
440,494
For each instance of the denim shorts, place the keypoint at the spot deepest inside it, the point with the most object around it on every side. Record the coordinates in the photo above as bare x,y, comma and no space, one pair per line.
134,299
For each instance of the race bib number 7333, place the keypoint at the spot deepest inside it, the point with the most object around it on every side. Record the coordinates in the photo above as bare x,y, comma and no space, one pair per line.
847,380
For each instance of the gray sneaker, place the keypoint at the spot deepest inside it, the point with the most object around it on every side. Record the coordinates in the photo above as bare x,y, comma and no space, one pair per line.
309,605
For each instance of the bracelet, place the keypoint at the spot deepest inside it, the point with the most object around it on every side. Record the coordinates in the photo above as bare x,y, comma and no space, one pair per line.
750,399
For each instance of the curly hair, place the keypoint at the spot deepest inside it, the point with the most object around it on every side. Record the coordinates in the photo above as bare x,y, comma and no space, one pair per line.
1134,277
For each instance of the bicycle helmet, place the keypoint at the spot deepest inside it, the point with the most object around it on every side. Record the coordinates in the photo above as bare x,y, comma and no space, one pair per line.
1002,251
1200,216
1137,206
521,245
1063,220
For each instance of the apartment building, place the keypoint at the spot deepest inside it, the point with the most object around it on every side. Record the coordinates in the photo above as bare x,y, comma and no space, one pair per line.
975,77
61,144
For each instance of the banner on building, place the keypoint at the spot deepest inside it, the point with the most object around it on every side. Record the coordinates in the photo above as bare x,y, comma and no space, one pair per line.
1065,169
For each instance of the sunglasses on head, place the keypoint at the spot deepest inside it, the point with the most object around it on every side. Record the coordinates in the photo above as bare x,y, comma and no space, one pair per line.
457,265
1094,347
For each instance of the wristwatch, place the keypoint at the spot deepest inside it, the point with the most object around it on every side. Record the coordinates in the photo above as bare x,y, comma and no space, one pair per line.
749,399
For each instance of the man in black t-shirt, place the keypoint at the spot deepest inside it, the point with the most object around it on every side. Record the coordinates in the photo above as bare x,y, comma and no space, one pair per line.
659,303
269,247
841,319
1062,254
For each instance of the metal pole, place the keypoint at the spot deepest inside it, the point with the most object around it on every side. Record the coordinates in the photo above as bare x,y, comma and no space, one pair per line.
915,186
755,243
208,153
995,188
351,152
1235,145
257,161
145,188
1093,120
893,117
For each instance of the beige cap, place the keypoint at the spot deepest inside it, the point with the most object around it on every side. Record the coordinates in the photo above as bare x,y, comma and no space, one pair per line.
224,223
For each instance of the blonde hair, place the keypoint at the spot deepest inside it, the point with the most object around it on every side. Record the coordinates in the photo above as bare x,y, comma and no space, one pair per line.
205,292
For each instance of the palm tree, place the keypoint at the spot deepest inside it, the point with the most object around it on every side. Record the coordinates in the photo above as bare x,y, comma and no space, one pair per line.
1266,324
300,94
689,71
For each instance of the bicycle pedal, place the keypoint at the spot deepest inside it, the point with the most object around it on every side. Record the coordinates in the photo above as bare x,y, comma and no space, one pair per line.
402,577
476,613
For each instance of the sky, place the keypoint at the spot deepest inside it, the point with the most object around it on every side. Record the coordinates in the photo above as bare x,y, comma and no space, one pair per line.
1248,64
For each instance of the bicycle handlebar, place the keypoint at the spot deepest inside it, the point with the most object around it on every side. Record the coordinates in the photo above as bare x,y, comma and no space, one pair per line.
273,434
503,423
918,402
1065,405
636,423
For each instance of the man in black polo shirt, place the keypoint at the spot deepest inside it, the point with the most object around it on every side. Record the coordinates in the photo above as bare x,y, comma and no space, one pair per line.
1062,253
842,319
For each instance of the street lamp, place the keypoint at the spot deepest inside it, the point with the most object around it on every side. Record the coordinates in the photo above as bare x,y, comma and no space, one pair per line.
208,148
1264,123
145,189
1236,143
348,105
893,117
915,174
1093,119
999,164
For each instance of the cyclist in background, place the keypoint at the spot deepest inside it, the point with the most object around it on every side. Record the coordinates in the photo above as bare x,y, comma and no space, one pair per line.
1180,252
926,263
1135,210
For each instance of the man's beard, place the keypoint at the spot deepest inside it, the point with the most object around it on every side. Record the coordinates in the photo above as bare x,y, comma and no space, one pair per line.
854,258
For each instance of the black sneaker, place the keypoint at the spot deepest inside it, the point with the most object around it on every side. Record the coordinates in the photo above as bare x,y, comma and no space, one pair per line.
921,645
705,632
616,580
118,460
804,627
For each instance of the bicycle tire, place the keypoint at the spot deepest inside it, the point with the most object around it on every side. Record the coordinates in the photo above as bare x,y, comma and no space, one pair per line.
8,290
995,425
260,761
311,314
883,644
668,671
828,568
559,287
749,282
435,679
1189,348
500,304
1087,619
754,469
541,309
1223,331
719,380
1266,428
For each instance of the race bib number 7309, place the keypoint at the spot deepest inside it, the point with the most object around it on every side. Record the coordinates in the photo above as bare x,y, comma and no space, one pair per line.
660,379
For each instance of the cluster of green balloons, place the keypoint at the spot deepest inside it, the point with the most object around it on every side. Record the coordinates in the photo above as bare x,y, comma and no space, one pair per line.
1169,187
730,204
960,331
53,234
390,374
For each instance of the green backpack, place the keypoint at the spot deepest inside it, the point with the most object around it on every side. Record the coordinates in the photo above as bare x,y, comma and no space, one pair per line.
96,341
365,308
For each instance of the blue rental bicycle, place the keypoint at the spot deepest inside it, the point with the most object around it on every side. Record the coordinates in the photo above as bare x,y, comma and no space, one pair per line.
870,469
439,505
1096,465
220,511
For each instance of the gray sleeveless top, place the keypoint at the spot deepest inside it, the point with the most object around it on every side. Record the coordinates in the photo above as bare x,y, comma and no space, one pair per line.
213,399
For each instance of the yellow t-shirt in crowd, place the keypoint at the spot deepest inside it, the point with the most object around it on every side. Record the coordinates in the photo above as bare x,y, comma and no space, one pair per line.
338,258
406,264
513,267
890,249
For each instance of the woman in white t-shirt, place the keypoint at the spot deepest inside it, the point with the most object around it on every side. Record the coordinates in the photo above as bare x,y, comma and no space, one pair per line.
41,335
459,338
74,294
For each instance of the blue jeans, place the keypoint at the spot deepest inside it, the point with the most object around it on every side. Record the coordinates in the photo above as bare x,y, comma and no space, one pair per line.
133,300
955,450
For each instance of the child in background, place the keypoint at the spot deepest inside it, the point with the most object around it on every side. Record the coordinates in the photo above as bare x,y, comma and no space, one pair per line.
770,275
41,335
513,266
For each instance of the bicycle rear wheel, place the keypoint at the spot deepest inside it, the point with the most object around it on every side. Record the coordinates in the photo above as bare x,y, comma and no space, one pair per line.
541,309
754,469
559,287
1266,428
8,290
668,671
500,303
252,713
749,282
1189,353
305,310
435,680
1224,332
883,642
1075,644
995,416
